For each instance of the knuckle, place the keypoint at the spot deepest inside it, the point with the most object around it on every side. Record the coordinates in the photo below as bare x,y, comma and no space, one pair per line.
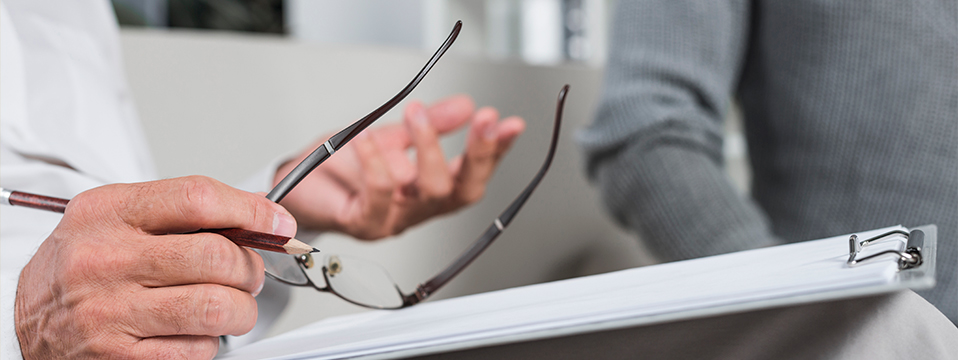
214,308
96,206
109,346
259,214
218,257
77,262
93,257
92,317
82,266
103,267
96,324
197,193
85,201
198,189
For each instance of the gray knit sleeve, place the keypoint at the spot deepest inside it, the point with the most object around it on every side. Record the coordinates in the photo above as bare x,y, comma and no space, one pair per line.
655,148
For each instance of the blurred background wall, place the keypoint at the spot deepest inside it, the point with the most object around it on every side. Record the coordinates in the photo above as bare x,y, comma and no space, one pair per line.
224,86
534,31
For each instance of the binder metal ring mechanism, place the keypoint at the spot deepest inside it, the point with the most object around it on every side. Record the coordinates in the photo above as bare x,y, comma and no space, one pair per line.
909,258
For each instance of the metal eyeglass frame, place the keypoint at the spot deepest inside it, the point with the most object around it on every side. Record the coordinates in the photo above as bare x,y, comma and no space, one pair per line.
498,225
337,141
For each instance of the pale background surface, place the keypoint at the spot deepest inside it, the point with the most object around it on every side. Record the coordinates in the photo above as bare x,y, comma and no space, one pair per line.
223,105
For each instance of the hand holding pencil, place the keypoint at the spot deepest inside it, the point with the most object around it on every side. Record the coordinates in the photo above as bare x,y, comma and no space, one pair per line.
248,238
130,271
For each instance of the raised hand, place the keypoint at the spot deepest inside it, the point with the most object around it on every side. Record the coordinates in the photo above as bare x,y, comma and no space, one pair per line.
371,188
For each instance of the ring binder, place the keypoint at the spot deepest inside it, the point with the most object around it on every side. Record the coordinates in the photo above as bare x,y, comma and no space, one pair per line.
778,276
907,259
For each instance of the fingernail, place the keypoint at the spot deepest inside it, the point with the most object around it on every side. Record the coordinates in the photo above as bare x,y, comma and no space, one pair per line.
260,288
420,117
490,131
284,225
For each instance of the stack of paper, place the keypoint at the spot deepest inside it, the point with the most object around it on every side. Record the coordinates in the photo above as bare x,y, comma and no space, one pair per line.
788,274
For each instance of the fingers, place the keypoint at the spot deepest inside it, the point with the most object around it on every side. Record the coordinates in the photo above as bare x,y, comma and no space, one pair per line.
477,164
364,201
189,204
433,180
199,309
176,347
488,141
130,284
508,130
392,142
379,186
199,258
445,116
465,177
451,113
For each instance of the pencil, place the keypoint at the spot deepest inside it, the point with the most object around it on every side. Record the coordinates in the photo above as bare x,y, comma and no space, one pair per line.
247,238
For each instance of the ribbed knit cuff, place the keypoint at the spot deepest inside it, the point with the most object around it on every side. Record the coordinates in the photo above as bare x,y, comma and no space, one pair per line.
680,201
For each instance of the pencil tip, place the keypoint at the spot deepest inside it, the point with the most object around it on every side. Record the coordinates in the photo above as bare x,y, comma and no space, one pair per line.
315,250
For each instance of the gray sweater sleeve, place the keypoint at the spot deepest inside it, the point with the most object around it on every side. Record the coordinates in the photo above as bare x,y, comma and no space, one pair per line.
655,148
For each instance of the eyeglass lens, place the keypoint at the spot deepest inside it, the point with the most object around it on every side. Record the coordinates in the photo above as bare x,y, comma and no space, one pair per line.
359,281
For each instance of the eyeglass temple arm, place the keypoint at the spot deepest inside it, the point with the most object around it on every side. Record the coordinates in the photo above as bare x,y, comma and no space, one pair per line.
498,225
324,151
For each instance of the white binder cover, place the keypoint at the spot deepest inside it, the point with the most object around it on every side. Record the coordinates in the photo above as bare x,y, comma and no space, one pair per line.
790,274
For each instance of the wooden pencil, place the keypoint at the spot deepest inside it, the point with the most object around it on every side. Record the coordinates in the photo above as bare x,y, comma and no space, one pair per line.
247,238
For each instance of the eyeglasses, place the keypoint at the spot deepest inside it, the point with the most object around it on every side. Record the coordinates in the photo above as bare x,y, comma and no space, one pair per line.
365,283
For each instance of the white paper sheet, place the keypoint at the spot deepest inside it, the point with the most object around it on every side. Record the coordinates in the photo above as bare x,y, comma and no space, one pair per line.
636,295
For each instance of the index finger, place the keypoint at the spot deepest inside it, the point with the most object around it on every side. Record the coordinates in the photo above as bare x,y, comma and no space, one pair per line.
445,116
197,259
189,204
488,141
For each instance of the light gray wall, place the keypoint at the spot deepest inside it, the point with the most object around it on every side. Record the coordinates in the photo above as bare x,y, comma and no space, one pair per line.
223,105
382,22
